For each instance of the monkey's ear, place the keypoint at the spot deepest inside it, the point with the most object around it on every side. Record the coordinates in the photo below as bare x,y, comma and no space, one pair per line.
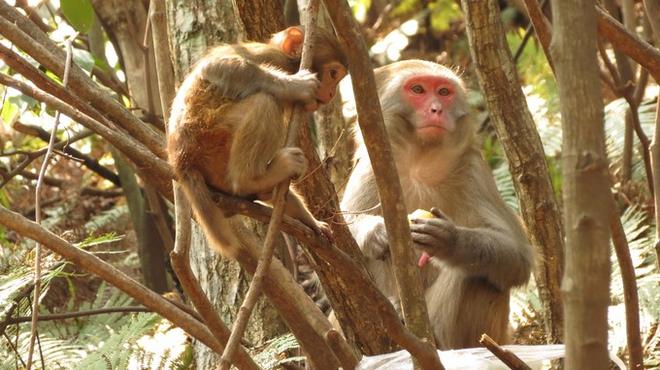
292,41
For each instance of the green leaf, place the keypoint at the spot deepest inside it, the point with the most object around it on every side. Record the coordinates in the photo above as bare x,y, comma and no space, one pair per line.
97,240
79,13
8,111
83,59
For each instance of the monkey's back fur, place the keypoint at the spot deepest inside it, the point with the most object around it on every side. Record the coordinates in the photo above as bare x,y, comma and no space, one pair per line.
201,139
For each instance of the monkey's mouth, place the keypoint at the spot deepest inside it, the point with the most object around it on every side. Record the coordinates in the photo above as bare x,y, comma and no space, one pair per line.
432,128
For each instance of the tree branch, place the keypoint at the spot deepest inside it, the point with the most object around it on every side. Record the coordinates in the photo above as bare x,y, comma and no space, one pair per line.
155,168
522,145
507,357
88,161
179,256
123,282
633,46
389,188
76,314
29,38
630,298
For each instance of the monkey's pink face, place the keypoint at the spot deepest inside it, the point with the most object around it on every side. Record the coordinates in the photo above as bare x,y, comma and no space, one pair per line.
432,99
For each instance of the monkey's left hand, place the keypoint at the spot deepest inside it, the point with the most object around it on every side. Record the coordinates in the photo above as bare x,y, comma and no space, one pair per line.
436,236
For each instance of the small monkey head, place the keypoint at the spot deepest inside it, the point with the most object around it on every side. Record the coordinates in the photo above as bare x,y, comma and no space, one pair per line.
329,61
429,97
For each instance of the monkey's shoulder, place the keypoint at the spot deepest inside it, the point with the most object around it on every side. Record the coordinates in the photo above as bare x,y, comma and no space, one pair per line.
206,106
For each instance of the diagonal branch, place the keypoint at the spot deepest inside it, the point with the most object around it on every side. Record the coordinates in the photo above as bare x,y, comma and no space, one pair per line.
25,35
107,272
154,167
88,161
633,46
389,188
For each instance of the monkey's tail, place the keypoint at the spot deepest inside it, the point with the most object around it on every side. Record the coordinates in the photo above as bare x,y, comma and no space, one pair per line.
215,224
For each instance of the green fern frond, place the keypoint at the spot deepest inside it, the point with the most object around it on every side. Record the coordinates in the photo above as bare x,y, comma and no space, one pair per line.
107,219
119,347
98,240
505,186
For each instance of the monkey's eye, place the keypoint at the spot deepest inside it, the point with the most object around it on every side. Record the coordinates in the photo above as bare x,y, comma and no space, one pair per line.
444,91
417,89
333,74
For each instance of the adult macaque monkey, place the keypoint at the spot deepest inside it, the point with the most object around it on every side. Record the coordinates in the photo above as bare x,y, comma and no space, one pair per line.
477,246
228,124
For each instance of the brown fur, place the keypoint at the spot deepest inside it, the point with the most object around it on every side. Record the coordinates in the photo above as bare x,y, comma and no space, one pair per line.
227,125
468,283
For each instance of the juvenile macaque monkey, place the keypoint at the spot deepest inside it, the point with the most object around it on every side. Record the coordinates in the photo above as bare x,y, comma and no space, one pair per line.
229,120
477,246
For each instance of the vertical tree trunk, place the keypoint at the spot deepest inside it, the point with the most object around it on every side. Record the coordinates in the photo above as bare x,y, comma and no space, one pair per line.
193,27
124,23
586,191
516,130
653,12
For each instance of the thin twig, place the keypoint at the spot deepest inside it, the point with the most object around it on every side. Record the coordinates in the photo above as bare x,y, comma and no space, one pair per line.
279,200
88,161
507,357
627,91
630,297
37,212
121,140
72,315
13,348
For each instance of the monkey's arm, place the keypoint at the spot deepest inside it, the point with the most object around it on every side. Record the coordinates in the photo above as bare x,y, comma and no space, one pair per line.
492,246
360,205
490,252
238,78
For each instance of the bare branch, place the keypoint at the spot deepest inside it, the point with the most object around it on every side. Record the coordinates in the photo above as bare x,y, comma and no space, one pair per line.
88,161
517,132
633,46
389,187
76,314
107,272
630,298
37,207
509,358
46,52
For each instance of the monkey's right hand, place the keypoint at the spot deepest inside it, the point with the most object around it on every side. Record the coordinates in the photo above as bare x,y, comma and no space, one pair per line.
302,87
290,163
371,236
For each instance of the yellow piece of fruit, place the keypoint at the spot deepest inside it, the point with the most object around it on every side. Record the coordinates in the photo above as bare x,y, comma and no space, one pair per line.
420,213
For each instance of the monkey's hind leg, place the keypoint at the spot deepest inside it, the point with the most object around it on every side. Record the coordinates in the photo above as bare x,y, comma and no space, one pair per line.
214,223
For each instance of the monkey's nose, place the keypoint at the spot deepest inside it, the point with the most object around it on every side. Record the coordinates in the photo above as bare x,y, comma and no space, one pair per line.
436,109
